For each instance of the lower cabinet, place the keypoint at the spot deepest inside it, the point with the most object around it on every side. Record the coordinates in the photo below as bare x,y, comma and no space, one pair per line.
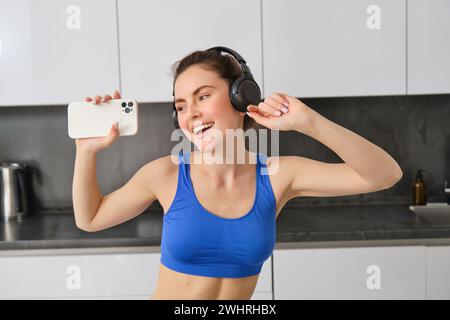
263,290
438,272
350,273
393,272
82,274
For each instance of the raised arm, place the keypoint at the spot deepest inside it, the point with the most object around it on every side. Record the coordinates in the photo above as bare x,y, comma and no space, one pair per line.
95,212
366,167
120,205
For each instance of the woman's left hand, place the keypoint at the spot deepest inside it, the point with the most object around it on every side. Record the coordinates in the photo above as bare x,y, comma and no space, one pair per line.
282,112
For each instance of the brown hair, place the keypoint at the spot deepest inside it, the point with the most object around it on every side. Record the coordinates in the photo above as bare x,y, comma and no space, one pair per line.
224,65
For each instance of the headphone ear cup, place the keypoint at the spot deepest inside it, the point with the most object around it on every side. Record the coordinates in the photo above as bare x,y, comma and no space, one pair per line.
243,92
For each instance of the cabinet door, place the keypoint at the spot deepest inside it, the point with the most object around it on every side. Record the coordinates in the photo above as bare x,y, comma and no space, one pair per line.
16,82
350,273
262,296
334,48
438,272
55,52
263,289
79,276
428,46
155,34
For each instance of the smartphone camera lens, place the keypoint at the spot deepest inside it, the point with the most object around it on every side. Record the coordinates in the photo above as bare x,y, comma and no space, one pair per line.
124,104
130,104
127,110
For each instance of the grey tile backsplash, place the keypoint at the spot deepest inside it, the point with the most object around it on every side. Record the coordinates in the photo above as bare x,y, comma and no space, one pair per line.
413,129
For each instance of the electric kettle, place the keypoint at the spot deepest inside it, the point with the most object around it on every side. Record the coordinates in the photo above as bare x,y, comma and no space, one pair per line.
13,197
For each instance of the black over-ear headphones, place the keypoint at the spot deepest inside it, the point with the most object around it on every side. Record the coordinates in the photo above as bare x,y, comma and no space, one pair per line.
243,91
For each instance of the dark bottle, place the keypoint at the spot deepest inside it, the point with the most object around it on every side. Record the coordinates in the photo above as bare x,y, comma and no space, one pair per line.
419,190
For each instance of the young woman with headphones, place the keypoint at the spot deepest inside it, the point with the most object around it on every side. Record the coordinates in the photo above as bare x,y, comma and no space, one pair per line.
219,218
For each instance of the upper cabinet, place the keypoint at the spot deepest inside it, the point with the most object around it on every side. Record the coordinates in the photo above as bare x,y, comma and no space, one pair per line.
56,52
153,35
428,47
334,48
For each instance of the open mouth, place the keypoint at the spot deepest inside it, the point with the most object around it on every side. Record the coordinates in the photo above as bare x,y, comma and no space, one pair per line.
200,131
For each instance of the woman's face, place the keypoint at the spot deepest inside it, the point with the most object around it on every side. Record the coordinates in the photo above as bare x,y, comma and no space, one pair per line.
202,98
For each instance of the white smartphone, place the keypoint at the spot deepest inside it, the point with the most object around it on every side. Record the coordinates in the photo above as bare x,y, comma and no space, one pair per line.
87,120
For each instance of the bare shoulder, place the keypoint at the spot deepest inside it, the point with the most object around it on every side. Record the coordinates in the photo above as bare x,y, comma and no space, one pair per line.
283,172
286,168
279,165
158,171
286,161
164,164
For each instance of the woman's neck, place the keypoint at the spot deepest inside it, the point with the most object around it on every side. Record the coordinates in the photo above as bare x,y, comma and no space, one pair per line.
223,167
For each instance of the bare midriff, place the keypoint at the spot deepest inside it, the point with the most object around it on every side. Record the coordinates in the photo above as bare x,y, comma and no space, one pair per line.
173,285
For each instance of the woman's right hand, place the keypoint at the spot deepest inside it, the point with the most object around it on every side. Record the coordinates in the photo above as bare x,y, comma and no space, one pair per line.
94,145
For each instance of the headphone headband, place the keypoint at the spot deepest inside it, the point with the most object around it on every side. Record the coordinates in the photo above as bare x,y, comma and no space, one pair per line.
236,55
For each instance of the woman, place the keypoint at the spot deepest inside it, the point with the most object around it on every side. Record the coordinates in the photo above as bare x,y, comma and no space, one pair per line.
219,218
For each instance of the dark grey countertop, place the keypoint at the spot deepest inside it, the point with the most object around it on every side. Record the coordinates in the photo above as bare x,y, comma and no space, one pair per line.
303,224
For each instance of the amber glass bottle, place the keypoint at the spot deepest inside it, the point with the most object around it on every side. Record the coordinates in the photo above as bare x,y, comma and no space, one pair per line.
419,190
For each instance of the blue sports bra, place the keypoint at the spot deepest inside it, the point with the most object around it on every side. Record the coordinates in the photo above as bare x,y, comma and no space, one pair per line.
198,242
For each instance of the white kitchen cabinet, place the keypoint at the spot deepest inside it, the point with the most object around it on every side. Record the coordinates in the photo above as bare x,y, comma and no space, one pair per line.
262,296
334,48
118,273
155,34
428,47
16,83
56,52
438,272
350,273
263,290
69,276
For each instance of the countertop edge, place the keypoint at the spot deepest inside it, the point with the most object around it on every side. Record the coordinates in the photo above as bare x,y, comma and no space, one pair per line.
278,246
364,243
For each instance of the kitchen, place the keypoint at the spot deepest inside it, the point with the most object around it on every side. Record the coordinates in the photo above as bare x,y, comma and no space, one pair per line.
379,68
